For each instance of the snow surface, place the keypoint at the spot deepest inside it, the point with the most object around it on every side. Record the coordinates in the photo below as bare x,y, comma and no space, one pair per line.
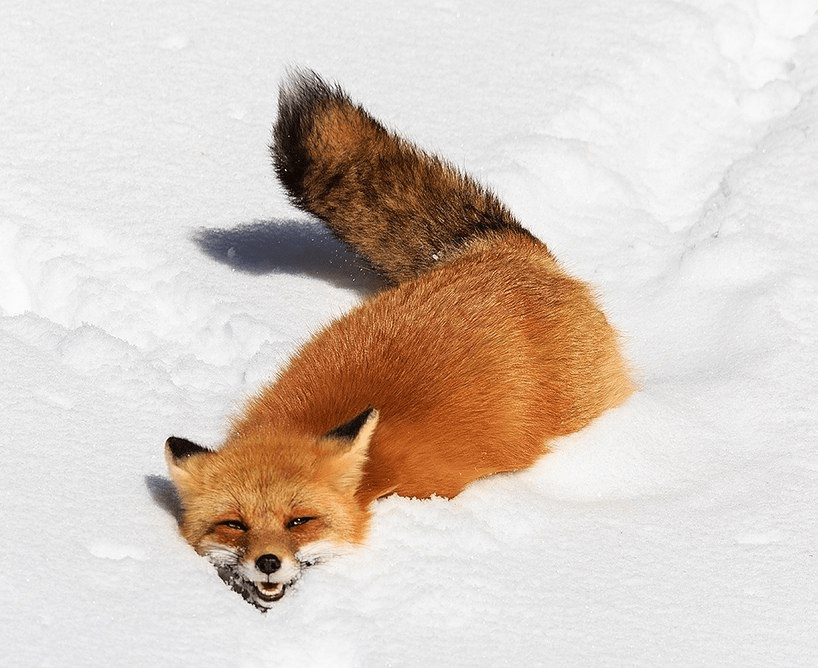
152,274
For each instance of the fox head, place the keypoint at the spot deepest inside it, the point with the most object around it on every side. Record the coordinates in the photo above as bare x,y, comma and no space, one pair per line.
269,504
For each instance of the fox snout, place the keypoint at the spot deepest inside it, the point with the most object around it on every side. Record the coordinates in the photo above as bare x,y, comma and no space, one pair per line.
268,563
262,580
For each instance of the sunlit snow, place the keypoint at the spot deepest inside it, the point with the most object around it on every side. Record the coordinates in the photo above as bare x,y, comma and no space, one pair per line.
152,275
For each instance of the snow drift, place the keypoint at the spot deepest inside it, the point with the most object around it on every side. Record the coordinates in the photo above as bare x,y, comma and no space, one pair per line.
152,275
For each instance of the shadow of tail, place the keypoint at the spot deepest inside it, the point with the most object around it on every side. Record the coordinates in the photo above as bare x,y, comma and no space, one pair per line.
290,247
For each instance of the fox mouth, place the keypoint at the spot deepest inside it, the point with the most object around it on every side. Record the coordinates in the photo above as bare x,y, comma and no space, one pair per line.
260,594
269,592
259,589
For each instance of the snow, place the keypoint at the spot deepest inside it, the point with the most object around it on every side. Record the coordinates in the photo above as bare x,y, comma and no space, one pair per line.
152,275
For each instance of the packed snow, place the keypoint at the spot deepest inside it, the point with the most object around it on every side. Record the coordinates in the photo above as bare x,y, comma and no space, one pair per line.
153,275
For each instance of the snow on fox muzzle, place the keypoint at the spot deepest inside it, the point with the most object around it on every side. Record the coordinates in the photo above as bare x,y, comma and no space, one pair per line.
260,594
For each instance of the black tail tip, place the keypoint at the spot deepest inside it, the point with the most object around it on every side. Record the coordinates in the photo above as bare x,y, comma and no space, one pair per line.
303,87
302,95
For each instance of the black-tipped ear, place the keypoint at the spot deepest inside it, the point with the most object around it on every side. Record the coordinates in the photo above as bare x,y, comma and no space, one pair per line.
356,436
181,448
183,458
350,430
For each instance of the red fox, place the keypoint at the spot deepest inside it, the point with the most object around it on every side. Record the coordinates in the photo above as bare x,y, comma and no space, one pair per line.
479,353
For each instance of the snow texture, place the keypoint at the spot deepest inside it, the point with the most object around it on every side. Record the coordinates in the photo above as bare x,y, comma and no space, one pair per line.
152,275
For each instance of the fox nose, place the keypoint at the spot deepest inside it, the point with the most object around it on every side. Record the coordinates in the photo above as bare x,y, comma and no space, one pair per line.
268,563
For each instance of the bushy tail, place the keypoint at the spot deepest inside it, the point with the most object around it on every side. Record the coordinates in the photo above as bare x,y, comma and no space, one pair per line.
403,209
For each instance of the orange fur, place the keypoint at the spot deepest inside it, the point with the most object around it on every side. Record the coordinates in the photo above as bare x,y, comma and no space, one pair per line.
468,366
472,367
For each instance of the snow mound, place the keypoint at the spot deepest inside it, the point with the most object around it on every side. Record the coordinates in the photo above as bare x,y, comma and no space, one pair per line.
152,275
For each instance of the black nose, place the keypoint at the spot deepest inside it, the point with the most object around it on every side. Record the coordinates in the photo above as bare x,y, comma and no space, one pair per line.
268,563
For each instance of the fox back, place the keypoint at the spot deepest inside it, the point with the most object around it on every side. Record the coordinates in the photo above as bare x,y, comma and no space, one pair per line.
481,352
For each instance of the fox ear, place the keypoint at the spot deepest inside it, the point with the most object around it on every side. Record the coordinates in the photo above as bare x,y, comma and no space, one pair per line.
357,433
180,454
350,431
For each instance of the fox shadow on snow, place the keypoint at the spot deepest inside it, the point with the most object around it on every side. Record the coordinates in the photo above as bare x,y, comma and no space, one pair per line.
165,496
291,247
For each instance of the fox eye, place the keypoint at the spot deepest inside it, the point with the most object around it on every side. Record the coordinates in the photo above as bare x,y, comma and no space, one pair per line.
298,521
234,524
